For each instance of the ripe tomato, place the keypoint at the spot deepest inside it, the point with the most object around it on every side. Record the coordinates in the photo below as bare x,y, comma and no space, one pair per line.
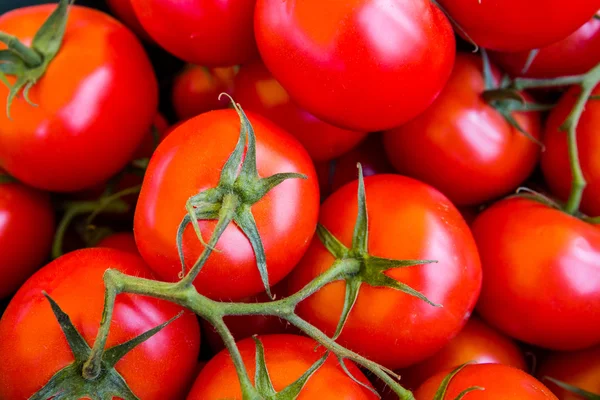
540,267
477,155
256,90
26,231
364,65
124,241
96,102
215,33
500,382
407,220
575,54
555,160
124,11
189,161
29,331
287,358
515,25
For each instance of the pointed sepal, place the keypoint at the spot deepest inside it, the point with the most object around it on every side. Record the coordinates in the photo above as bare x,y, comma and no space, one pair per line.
440,394
342,363
352,288
573,389
331,243
360,236
262,380
292,391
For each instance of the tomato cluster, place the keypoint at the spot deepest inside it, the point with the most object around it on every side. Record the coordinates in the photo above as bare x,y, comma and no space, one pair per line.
341,190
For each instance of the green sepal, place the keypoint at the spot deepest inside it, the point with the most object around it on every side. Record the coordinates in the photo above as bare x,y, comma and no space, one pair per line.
488,77
440,394
467,391
352,288
530,59
333,245
507,114
573,389
342,363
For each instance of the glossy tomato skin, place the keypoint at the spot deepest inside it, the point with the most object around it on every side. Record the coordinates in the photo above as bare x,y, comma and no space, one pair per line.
287,358
555,160
515,25
124,241
256,90
216,33
189,161
500,382
29,331
540,266
364,65
98,91
123,9
26,232
407,220
473,154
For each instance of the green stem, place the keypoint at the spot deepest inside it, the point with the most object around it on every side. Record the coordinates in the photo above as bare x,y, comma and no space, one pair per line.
526,83
29,56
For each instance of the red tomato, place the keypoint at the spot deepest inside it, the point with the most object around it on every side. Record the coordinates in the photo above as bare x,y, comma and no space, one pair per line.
189,161
575,54
256,90
216,33
287,358
555,160
477,155
124,11
364,65
540,266
124,241
96,101
516,25
196,90
26,231
407,220
580,369
29,331
500,382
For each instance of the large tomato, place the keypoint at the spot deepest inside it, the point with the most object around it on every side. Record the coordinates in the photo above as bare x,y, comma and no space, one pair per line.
189,161
204,32
515,25
407,220
364,65
32,340
473,154
287,358
96,102
540,266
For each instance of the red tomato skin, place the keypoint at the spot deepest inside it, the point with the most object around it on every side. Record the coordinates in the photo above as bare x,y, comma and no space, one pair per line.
110,97
26,232
555,160
385,325
515,25
124,11
576,54
364,65
29,331
287,358
500,382
579,368
473,155
215,33
256,90
540,266
189,161
124,241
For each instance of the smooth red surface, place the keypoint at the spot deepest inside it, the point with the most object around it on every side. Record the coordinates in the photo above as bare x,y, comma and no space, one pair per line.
124,241
123,9
34,348
407,220
540,274
472,153
364,65
96,102
580,369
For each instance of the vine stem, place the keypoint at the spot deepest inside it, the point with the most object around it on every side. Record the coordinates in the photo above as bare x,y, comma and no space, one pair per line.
532,83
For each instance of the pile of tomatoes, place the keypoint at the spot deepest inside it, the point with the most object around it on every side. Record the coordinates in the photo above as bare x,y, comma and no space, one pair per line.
115,129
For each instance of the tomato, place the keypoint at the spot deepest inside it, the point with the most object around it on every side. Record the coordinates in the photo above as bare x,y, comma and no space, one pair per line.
580,369
99,91
215,33
540,267
287,358
364,65
477,155
196,90
189,161
256,90
515,25
124,11
500,382
26,231
555,160
573,55
29,331
124,241
407,220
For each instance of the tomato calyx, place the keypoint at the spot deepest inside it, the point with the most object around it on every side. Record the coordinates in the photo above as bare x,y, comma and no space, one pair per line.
441,392
573,389
362,267
73,381
29,64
